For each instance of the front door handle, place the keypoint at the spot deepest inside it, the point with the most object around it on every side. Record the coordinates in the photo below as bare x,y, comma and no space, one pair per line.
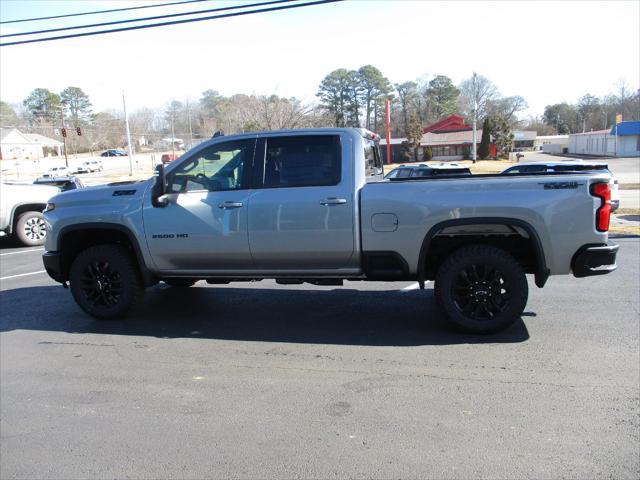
225,205
333,201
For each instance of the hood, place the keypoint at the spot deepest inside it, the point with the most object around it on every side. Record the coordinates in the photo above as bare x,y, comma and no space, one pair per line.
111,193
29,193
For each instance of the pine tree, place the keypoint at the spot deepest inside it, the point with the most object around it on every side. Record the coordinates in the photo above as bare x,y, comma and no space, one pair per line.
483,148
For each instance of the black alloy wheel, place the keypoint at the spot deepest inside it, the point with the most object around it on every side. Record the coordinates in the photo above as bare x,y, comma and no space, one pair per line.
105,281
482,289
101,284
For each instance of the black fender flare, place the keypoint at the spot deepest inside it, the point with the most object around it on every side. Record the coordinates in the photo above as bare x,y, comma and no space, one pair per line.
148,277
542,272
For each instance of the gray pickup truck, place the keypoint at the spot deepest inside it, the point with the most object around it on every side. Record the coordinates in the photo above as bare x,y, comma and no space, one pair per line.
312,206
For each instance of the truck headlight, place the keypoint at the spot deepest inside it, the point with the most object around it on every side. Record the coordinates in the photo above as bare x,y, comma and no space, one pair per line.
49,207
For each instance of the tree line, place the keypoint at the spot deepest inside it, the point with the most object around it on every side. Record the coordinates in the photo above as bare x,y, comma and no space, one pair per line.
593,113
346,98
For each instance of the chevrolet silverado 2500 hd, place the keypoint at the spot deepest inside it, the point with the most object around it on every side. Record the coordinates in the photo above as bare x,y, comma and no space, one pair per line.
312,206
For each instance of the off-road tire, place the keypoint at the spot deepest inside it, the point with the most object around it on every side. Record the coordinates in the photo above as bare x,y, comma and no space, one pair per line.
30,229
105,281
179,282
482,289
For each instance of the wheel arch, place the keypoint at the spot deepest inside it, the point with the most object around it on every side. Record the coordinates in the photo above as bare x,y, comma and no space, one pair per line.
72,239
541,271
22,208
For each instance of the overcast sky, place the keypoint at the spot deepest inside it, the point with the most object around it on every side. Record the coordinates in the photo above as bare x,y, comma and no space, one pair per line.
547,52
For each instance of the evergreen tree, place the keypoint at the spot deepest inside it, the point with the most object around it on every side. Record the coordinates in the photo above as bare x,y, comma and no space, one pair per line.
483,148
77,105
442,96
414,135
42,105
8,117
334,93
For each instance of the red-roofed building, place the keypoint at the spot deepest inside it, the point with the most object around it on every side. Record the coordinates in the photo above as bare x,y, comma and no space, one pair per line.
451,139
452,123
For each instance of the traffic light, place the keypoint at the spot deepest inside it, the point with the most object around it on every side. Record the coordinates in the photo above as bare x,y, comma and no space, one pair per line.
78,131
64,132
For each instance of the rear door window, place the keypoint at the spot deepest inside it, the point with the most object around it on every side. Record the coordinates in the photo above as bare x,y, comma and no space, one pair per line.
301,161
372,159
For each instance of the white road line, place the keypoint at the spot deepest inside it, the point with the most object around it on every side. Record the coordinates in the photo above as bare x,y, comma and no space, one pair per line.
22,251
22,275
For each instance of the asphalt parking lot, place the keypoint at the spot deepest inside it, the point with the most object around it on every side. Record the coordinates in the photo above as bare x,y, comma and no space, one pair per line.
254,380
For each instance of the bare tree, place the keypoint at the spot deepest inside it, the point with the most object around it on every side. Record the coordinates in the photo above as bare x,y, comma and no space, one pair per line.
481,96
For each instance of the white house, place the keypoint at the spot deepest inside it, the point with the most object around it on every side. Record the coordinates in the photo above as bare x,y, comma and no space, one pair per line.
15,145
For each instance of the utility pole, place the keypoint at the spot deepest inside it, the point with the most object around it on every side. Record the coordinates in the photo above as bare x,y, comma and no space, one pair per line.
63,132
475,115
173,136
387,117
126,121
189,121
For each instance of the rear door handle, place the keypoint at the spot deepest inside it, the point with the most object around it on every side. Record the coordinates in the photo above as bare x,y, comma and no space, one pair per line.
333,201
225,205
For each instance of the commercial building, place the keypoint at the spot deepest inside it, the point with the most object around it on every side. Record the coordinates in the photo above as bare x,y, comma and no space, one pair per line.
628,134
623,140
15,145
450,138
552,143
524,140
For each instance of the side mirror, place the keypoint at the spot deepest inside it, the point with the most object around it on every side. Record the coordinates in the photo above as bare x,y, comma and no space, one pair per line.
159,188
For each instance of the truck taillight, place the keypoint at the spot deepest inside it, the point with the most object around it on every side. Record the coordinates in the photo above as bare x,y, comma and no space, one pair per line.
603,213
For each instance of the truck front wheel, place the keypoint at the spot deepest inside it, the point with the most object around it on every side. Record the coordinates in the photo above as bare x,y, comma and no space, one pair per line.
104,281
482,289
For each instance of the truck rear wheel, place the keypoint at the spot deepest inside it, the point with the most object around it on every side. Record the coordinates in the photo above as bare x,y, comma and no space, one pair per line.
30,229
104,281
482,289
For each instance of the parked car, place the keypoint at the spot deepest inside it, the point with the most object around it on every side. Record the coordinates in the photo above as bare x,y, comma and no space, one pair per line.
114,153
63,183
21,209
428,170
55,172
577,165
90,166
316,209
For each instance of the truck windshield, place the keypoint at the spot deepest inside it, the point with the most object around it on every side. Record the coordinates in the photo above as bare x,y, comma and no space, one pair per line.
373,162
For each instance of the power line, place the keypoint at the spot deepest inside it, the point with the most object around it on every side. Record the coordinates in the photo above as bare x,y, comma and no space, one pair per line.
157,17
101,11
173,22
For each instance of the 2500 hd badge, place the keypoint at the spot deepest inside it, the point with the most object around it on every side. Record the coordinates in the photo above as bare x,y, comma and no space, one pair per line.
170,235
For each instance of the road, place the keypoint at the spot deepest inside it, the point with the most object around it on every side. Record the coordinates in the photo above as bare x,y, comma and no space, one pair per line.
255,380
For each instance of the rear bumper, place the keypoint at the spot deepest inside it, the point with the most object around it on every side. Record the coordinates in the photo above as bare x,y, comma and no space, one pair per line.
53,265
594,260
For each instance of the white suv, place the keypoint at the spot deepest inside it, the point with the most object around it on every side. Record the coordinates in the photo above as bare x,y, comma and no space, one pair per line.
90,166
55,172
